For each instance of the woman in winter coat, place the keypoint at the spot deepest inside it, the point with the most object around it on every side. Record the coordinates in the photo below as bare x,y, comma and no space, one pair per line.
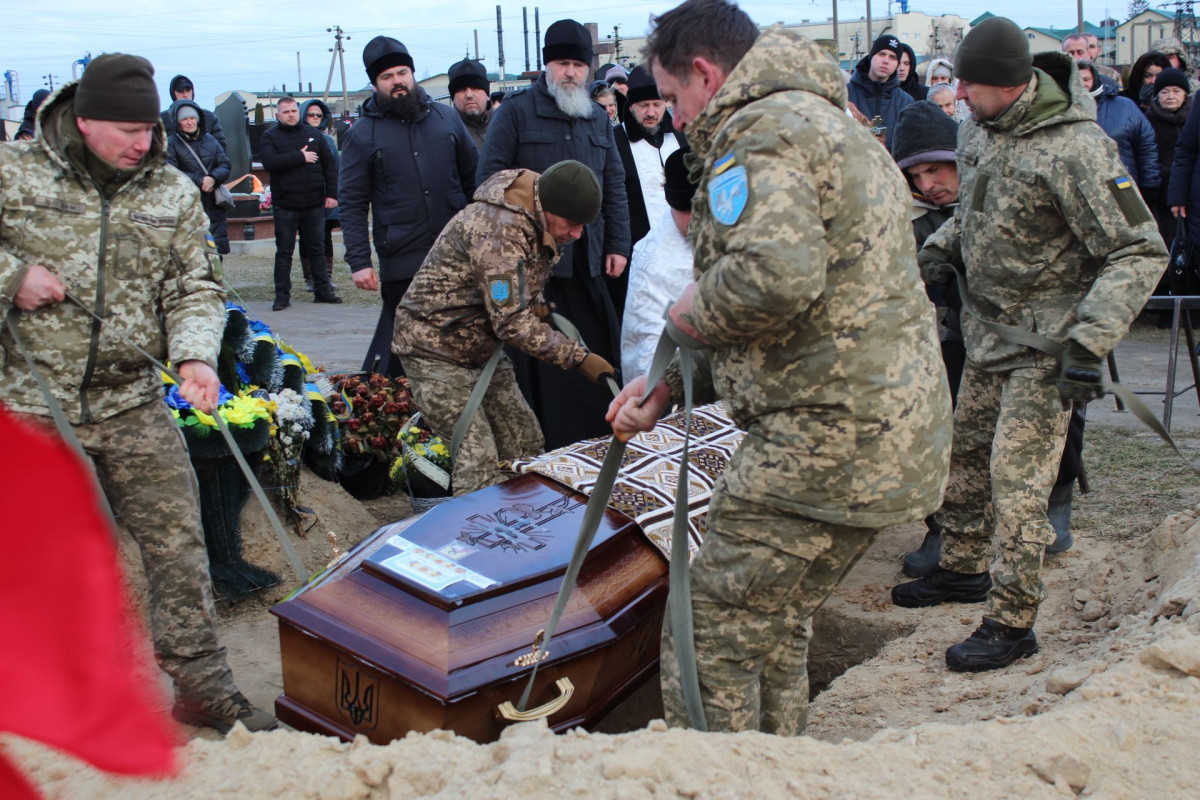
316,114
198,155
1167,113
1126,125
1140,86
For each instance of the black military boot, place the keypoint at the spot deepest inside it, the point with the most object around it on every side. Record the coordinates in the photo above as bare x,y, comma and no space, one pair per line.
918,563
942,586
993,645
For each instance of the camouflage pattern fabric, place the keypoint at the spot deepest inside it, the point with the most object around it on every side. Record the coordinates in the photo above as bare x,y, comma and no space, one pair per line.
504,428
1054,236
825,348
136,250
475,288
141,461
138,253
1057,241
825,351
1009,432
753,607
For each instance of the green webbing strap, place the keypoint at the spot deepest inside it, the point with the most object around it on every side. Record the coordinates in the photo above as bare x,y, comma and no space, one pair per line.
680,604
474,400
1050,347
56,411
567,327
272,517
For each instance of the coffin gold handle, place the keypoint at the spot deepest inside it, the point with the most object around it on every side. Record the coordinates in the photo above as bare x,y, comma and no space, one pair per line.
565,688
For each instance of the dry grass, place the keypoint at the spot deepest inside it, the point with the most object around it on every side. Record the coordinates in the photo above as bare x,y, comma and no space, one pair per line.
1136,480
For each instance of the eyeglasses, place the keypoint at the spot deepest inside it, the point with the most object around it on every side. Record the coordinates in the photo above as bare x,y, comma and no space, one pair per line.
315,115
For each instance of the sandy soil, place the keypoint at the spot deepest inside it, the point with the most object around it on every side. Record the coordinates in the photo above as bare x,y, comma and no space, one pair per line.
1108,708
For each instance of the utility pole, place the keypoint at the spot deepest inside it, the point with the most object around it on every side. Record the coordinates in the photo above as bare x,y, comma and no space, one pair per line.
537,39
299,77
870,36
1079,13
616,37
338,58
48,80
500,42
837,43
525,33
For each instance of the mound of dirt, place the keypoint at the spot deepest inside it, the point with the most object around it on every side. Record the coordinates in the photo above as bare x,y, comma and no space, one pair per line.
1108,708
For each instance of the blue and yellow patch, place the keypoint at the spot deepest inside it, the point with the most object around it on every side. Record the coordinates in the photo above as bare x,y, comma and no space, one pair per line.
210,241
728,194
1123,182
500,290
724,163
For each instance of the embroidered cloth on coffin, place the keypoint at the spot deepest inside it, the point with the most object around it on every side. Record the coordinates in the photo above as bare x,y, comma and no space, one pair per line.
645,488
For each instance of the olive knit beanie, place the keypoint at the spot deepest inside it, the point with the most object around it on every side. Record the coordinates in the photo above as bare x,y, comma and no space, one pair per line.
118,88
994,53
570,190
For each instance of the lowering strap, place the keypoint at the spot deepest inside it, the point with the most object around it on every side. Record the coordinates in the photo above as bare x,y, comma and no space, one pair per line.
1050,347
65,430
680,598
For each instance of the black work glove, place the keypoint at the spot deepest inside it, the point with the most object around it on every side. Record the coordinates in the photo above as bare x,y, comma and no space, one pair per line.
1081,378
935,266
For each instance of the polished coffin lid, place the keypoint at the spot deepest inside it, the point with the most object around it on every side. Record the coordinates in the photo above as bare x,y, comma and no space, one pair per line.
449,599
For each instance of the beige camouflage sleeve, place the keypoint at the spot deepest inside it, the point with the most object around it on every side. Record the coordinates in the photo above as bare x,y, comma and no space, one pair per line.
499,261
191,298
12,271
772,262
1106,212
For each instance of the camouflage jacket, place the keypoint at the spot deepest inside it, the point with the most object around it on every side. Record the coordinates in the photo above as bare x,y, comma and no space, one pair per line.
824,346
139,258
475,288
1052,232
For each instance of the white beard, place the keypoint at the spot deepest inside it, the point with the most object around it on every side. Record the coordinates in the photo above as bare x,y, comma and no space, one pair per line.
571,100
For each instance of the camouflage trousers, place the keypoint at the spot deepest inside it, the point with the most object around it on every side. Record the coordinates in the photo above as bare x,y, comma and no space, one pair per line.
753,606
1009,433
504,428
141,461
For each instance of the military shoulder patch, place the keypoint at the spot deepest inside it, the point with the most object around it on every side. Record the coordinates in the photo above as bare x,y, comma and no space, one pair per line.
500,291
210,242
1133,208
728,193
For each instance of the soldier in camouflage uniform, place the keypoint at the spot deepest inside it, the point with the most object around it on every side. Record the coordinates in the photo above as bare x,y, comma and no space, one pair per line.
91,209
822,345
1056,243
481,287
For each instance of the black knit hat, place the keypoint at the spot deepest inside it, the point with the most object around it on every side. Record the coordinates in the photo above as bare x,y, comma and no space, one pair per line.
382,53
468,74
567,39
119,88
678,188
923,133
886,42
1172,77
641,86
994,53
570,190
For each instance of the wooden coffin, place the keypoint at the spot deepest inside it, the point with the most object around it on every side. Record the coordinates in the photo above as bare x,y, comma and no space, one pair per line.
422,626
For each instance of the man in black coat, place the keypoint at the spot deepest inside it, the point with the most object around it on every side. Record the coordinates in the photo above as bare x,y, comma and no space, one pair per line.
304,182
411,162
555,120
181,89
469,90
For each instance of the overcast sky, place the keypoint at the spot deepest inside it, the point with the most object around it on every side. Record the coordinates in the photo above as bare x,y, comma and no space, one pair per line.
252,45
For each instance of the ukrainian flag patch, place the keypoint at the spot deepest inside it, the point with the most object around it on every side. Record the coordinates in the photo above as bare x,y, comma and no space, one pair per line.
723,163
1122,182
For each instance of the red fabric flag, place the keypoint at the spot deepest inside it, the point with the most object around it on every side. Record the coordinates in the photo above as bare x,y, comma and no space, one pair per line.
71,670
